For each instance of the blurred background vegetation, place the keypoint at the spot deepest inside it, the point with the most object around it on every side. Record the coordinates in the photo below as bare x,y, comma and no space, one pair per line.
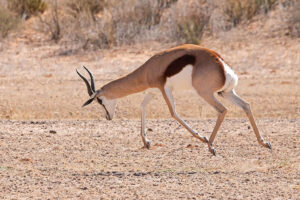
98,24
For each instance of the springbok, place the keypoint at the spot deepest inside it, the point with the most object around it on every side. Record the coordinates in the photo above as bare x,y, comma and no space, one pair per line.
185,66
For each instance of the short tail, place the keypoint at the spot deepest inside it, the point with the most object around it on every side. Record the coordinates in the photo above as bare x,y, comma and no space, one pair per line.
231,79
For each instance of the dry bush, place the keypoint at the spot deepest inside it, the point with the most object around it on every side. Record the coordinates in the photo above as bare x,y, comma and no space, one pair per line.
132,19
98,24
238,10
186,21
8,21
95,24
26,8
117,22
50,22
74,23
234,11
294,21
89,7
81,24
191,28
102,24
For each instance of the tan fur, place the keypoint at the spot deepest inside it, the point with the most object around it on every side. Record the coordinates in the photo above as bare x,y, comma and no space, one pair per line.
208,77
151,74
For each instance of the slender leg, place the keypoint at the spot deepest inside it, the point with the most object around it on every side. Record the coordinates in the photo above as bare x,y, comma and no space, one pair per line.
167,94
234,98
211,99
146,100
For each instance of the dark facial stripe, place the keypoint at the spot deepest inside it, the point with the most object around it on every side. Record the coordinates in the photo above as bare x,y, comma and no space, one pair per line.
177,65
107,113
100,102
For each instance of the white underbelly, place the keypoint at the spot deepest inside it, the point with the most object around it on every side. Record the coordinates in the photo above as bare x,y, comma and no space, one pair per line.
182,80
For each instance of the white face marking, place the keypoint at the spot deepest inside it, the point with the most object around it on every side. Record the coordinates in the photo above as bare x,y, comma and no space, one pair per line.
231,78
110,106
182,80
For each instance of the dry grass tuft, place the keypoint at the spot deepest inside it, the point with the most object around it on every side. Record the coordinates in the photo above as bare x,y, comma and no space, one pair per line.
184,21
131,20
294,22
8,21
26,8
89,7
50,22
238,10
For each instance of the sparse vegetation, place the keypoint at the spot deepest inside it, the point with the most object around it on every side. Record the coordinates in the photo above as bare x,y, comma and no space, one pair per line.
89,7
128,19
294,22
8,21
190,29
234,11
190,21
103,24
26,8
238,10
95,24
51,22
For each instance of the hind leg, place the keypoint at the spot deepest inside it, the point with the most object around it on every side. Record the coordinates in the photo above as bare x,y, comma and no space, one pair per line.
234,98
211,99
205,82
167,94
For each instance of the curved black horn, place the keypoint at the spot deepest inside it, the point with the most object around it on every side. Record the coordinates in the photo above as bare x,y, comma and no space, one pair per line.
89,89
93,97
92,79
88,101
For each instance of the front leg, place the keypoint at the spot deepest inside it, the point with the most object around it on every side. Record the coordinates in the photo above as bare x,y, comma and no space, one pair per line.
146,100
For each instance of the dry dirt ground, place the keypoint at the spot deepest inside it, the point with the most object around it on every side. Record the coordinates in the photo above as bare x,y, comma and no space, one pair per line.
52,148
96,159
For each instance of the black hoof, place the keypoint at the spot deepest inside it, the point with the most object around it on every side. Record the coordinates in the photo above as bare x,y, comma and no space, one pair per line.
147,145
213,151
268,145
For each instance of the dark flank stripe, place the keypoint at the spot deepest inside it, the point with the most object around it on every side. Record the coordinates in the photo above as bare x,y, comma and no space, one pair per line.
177,65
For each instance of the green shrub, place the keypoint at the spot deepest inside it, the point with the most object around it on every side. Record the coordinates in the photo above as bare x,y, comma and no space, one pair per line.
27,8
8,21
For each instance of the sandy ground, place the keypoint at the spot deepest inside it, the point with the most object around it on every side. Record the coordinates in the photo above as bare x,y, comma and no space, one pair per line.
104,160
52,148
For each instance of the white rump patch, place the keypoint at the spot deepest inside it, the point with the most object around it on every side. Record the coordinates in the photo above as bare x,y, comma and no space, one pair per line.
231,79
182,80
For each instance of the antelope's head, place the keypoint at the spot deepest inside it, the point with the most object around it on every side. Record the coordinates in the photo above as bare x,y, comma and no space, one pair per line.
109,105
